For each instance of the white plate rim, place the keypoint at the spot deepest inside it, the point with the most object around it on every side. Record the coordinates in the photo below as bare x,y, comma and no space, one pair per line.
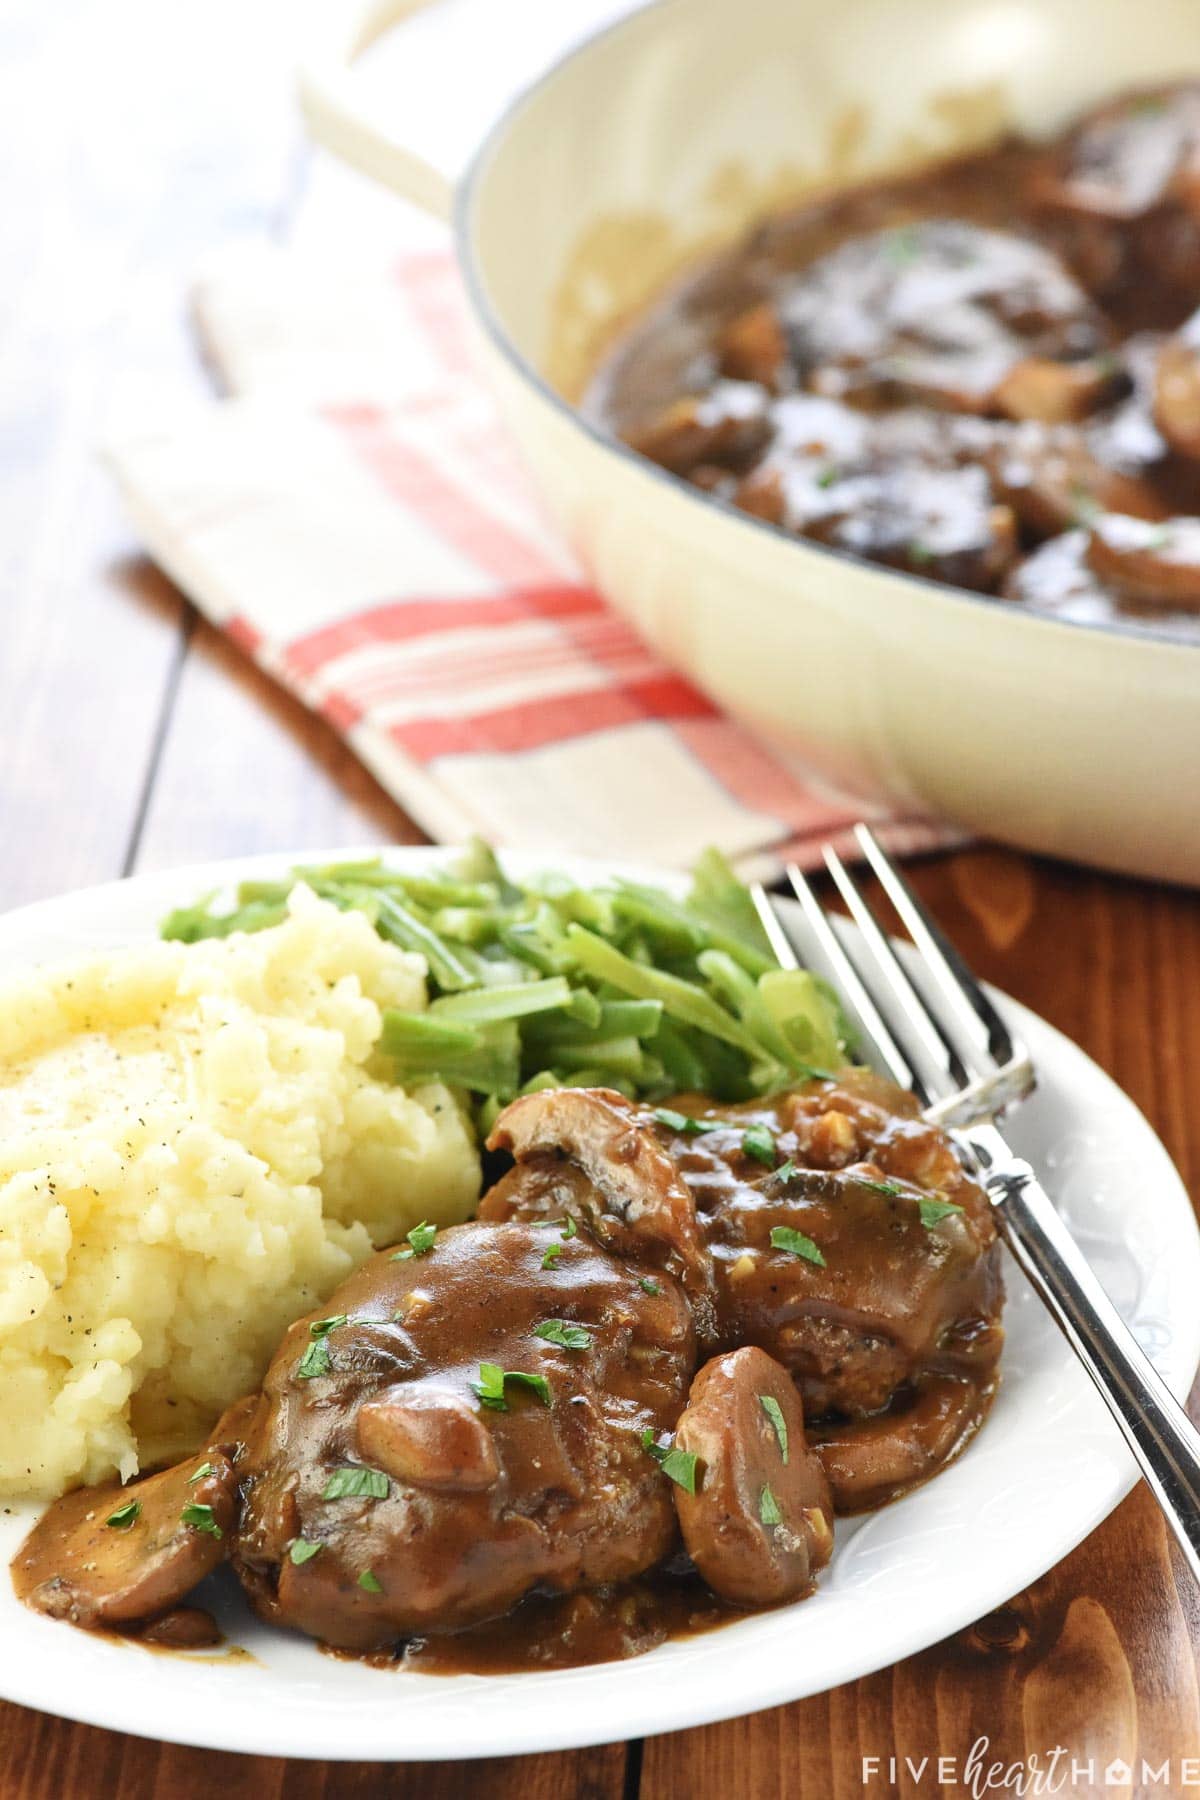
250,1727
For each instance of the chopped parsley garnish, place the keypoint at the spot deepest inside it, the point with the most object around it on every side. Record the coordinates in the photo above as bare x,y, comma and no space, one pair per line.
919,553
648,1286
493,1380
759,1143
828,476
933,1211
205,1468
200,1518
567,1337
681,1465
302,1551
786,1170
768,1508
537,1384
490,1386
551,1256
568,1227
796,1244
315,1361
322,1327
370,1581
774,1412
124,1516
356,1482
420,1241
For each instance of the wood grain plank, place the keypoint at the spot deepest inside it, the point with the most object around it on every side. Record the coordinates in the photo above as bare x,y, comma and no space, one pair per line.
50,1760
133,147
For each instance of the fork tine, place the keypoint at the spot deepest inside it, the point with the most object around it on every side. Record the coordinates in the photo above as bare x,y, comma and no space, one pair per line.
936,1060
845,977
975,1013
781,944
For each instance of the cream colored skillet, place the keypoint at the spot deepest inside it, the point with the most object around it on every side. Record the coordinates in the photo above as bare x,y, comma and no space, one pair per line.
670,131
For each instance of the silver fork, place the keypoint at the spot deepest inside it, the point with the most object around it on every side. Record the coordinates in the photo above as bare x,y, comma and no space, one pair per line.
944,1039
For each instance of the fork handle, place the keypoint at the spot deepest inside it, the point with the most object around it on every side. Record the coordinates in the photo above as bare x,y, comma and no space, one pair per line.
1163,1439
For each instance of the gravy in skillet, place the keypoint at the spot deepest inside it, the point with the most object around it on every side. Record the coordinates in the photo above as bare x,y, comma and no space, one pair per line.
987,373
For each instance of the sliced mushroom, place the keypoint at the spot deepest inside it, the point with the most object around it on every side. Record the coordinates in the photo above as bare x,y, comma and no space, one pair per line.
1127,157
1126,437
1152,563
633,1197
762,495
753,347
898,489
937,311
870,1461
760,1522
939,522
1052,480
428,1438
1059,393
1177,389
109,1556
1119,195
1056,579
726,427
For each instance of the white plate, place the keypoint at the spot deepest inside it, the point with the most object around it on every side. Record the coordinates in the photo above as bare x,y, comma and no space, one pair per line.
1045,1470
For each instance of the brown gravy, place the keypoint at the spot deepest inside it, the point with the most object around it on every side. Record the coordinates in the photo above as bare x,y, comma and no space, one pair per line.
570,1631
967,373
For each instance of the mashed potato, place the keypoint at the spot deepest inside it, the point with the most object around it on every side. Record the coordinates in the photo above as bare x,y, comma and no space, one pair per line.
194,1149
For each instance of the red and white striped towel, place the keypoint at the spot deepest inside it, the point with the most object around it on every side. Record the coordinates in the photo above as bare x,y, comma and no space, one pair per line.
355,519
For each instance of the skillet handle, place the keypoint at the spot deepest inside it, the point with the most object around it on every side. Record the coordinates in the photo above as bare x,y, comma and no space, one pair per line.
335,113
462,66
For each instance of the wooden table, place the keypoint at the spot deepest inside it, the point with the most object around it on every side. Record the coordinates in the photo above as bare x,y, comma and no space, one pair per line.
137,138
